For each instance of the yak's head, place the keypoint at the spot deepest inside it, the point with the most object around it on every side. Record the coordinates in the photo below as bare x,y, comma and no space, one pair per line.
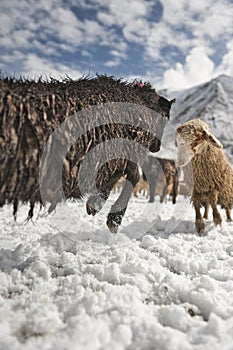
159,104
192,138
163,107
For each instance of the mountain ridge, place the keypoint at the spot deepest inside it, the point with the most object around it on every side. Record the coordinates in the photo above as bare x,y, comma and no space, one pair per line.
212,102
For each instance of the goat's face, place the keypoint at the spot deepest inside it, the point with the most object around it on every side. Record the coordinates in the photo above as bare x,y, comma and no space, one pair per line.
193,138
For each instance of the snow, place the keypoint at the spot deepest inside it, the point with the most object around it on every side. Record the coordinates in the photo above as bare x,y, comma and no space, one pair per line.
68,283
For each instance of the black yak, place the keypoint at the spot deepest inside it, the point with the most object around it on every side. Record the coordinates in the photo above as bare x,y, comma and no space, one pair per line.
51,130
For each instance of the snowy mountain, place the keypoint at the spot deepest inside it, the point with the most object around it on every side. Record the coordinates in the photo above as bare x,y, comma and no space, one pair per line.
211,102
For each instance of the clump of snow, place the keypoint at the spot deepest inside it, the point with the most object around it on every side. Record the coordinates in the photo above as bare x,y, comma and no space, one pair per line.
67,283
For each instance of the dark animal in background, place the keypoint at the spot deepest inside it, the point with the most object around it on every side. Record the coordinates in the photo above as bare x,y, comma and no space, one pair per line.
154,167
142,187
30,112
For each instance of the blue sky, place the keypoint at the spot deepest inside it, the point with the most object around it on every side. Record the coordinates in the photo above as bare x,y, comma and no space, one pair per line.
171,43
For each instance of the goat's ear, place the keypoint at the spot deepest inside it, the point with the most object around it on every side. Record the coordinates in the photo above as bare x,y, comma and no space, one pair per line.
213,140
172,101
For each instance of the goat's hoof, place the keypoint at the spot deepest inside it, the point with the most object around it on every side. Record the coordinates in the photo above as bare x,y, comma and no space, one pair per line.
217,220
200,226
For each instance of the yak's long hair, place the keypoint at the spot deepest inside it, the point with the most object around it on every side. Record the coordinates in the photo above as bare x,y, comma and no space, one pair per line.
30,112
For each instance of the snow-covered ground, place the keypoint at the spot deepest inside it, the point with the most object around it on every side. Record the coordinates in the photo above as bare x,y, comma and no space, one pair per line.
67,283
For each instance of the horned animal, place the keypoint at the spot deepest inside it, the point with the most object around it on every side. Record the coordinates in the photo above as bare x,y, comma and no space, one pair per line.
51,130
154,167
211,170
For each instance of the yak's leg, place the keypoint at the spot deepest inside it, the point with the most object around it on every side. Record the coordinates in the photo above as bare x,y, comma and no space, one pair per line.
30,212
15,208
119,207
213,202
228,213
96,202
200,226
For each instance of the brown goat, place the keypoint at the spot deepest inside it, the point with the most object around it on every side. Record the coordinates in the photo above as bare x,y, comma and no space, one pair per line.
211,170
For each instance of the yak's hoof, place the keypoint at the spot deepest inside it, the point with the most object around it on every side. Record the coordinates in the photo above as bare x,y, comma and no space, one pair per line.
113,228
94,204
114,221
90,209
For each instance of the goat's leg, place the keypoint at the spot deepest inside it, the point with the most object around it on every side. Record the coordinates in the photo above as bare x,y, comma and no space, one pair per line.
213,202
175,187
206,213
200,226
228,213
119,207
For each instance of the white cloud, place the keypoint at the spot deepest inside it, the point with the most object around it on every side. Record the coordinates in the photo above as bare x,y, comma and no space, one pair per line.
216,21
121,13
118,56
195,28
187,24
137,31
161,36
130,16
35,66
113,63
15,55
226,66
181,43
24,24
198,68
